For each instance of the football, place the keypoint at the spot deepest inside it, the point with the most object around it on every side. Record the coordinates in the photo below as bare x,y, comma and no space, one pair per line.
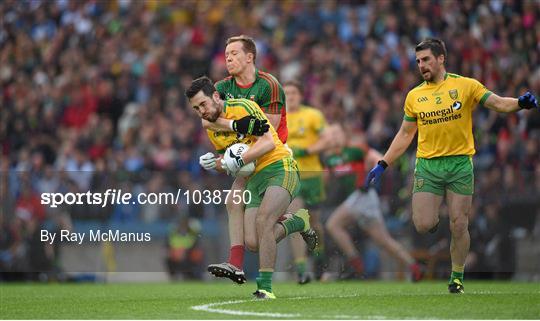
235,151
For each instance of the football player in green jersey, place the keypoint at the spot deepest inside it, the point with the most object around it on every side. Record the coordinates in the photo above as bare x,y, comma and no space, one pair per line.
440,109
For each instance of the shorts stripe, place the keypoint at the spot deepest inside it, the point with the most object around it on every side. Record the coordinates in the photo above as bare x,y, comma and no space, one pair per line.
284,184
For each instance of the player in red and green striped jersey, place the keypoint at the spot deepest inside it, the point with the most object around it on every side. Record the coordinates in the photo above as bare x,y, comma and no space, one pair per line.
362,206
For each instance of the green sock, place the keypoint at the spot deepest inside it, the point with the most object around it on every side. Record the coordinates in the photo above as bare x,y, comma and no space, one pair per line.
456,275
301,266
264,281
293,224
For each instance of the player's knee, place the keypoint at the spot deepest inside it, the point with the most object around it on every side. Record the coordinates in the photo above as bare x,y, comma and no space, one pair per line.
251,244
459,226
264,223
423,227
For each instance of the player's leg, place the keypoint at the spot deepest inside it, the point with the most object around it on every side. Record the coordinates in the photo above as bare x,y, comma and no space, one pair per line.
233,268
372,223
235,211
425,208
428,192
459,201
378,232
336,226
459,207
280,182
250,229
274,203
298,247
295,221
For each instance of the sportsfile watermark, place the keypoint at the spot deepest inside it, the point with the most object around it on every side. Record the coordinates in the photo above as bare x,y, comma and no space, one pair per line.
120,197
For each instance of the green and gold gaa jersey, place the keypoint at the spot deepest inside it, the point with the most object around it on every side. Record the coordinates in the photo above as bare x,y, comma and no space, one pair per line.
305,126
239,108
443,113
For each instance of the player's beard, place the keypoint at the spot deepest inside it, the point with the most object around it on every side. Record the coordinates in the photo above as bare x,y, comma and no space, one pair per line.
433,74
212,117
428,78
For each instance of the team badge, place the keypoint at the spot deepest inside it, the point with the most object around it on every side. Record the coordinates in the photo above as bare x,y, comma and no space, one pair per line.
453,93
419,182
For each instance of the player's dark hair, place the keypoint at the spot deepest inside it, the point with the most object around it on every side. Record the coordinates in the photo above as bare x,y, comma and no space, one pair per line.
248,44
295,83
436,46
202,83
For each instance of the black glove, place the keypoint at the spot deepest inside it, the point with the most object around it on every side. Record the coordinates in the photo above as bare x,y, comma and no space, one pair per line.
250,125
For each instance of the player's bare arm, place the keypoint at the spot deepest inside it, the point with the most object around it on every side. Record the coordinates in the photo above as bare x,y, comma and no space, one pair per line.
502,104
401,142
509,104
264,144
221,124
247,125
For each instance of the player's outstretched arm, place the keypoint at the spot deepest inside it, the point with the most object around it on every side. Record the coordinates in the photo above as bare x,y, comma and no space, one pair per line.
509,104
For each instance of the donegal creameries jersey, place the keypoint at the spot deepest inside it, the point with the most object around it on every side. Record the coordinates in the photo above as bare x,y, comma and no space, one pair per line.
239,108
305,126
443,113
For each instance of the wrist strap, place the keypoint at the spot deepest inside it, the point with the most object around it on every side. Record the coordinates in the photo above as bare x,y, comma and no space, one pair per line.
383,164
231,125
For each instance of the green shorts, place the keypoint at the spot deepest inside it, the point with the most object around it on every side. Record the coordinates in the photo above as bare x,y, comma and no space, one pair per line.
436,175
312,190
282,173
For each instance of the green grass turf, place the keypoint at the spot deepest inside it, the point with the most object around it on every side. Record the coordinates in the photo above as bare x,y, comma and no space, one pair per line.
342,300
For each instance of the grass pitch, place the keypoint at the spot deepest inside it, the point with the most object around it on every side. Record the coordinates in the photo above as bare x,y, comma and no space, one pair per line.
220,300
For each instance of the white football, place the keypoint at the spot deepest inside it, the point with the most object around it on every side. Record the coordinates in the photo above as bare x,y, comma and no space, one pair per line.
237,150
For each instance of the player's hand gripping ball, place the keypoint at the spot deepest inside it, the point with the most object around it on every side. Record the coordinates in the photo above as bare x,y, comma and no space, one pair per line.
233,163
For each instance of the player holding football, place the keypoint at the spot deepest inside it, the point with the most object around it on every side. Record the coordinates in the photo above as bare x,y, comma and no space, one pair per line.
441,109
245,81
305,125
362,207
274,183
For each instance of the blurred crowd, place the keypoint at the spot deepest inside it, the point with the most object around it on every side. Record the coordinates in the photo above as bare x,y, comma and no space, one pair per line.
91,94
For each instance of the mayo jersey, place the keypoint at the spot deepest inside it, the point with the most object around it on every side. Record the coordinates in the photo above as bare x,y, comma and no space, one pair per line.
305,126
266,91
348,166
239,108
443,113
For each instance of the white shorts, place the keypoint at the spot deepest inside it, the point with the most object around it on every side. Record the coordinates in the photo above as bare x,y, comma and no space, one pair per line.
365,206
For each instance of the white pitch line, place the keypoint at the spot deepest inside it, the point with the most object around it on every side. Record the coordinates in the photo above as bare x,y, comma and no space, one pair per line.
210,308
